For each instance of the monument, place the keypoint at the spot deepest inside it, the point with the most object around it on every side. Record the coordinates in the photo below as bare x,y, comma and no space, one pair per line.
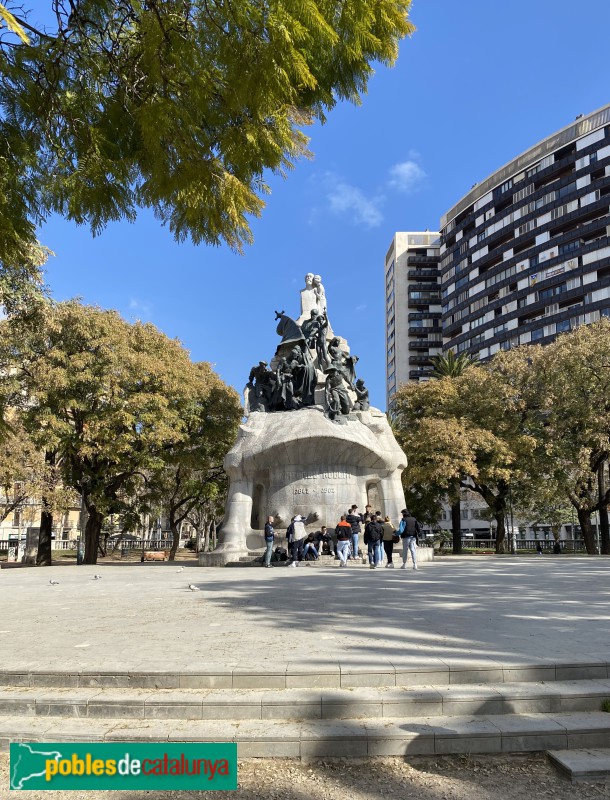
311,443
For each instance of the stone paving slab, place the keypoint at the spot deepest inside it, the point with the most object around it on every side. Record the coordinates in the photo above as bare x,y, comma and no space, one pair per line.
589,764
455,620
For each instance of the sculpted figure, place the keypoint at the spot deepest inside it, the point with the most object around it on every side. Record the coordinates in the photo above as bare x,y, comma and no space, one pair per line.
350,364
260,387
321,345
287,328
334,351
283,399
362,393
320,293
311,329
304,374
309,298
337,397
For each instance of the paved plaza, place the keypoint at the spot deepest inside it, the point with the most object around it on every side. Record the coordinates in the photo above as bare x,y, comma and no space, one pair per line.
454,611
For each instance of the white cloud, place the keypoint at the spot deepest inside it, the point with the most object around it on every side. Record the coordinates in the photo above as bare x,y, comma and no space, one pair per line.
140,309
406,176
346,199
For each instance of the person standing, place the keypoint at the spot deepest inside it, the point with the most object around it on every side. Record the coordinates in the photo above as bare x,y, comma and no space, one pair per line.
373,537
269,539
343,532
389,532
408,530
354,519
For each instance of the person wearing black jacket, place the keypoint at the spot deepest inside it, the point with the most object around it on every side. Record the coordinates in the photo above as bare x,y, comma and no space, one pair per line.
373,537
269,537
354,519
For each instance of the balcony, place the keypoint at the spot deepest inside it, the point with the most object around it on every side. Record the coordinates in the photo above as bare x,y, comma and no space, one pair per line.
425,344
419,297
424,315
416,330
422,260
424,274
421,360
419,373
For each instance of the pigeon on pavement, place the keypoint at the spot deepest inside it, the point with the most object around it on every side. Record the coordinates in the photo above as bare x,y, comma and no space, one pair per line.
193,588
54,583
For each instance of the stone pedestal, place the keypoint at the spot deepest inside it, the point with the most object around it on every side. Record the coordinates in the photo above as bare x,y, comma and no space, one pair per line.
300,462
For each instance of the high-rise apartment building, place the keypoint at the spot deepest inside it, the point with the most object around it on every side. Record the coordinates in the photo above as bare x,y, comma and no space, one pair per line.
413,308
526,253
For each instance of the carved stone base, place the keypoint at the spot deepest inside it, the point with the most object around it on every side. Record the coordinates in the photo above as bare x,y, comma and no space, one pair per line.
299,462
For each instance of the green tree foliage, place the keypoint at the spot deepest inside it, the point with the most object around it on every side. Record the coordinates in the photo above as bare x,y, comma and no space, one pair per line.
180,106
474,431
113,400
577,388
448,365
191,473
530,428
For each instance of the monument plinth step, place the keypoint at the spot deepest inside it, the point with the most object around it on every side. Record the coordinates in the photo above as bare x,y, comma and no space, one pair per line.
318,738
297,704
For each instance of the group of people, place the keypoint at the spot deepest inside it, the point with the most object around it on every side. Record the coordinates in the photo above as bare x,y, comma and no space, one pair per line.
379,536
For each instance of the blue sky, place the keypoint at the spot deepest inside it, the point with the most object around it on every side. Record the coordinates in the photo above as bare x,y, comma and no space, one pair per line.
479,82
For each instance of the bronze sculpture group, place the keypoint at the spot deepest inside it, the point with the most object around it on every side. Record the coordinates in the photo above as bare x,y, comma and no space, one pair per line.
292,384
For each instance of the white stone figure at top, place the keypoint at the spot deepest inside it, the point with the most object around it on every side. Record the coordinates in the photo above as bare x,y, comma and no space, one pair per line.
320,293
309,299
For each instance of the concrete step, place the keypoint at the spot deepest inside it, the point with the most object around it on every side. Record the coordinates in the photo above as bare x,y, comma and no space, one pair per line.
311,739
583,765
255,560
346,674
305,704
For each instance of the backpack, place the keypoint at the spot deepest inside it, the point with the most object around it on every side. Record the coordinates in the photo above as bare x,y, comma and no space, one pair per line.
280,554
290,532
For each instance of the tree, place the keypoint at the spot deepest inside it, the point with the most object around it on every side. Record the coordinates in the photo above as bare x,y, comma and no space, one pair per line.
578,399
479,429
106,395
192,469
180,106
448,365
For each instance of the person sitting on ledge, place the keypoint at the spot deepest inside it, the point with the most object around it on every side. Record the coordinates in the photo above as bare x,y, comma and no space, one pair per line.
325,539
309,546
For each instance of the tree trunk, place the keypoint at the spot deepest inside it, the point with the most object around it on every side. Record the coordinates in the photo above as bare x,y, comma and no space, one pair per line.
584,519
175,529
500,532
456,526
44,555
93,530
604,528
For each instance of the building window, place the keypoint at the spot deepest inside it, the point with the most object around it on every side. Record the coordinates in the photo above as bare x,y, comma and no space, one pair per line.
537,334
563,326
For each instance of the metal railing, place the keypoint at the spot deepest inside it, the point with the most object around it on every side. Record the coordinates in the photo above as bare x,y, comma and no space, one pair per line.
567,545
